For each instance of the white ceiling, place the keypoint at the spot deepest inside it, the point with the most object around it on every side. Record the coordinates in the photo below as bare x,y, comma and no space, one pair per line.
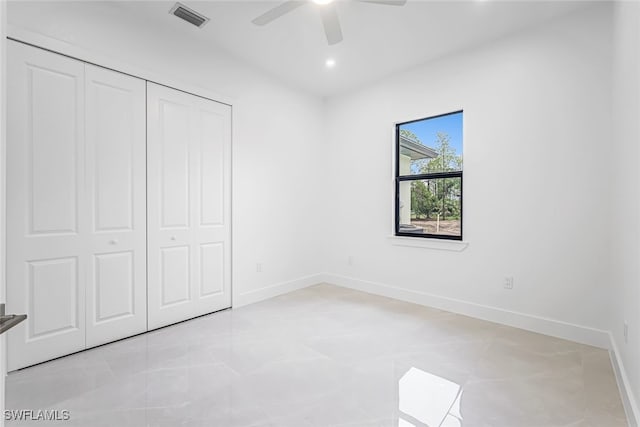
378,40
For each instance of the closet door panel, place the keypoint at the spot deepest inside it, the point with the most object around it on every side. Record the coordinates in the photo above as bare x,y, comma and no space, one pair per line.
212,167
169,197
175,275
114,286
53,280
115,165
212,269
212,218
189,205
174,164
46,254
54,166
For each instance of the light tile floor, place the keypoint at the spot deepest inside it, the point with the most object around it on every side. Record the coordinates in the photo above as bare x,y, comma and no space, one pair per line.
328,356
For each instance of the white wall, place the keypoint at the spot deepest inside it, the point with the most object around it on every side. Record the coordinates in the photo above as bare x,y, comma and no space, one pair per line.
276,141
536,155
625,190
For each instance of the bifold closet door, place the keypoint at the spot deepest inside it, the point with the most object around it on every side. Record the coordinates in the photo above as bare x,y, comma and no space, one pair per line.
46,248
116,176
76,208
189,205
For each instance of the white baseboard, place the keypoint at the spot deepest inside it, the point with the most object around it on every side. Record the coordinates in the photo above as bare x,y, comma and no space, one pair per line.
542,325
271,291
628,398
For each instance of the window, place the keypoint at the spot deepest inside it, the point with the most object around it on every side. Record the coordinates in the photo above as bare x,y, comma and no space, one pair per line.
429,177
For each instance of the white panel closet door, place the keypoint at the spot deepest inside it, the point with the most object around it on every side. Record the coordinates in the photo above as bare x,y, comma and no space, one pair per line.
46,253
116,176
189,205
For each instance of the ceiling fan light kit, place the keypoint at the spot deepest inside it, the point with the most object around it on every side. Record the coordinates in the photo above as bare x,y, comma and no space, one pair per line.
328,13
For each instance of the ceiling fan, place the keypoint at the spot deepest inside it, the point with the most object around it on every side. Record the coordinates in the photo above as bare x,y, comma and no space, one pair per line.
328,12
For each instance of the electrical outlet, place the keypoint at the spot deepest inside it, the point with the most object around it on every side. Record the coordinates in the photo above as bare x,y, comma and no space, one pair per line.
259,267
625,331
350,260
508,282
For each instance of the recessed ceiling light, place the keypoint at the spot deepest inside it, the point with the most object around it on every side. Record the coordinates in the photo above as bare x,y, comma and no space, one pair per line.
330,63
322,2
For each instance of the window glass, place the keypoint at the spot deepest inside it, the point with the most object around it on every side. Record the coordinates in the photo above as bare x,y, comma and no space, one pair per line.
431,145
429,177
431,206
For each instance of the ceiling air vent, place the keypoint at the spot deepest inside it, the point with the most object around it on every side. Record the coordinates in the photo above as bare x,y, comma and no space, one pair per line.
189,15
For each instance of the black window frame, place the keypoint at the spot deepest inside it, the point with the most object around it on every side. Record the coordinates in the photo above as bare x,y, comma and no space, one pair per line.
419,177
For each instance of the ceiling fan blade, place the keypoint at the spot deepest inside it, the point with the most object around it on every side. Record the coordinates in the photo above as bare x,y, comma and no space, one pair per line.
331,23
277,12
387,2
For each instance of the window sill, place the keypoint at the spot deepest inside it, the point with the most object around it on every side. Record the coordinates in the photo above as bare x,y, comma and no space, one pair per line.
426,243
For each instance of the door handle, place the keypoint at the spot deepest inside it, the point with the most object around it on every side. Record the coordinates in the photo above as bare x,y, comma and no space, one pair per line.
113,241
8,321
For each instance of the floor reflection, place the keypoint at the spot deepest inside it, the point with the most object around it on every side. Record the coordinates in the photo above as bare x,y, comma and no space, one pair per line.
428,400
327,356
